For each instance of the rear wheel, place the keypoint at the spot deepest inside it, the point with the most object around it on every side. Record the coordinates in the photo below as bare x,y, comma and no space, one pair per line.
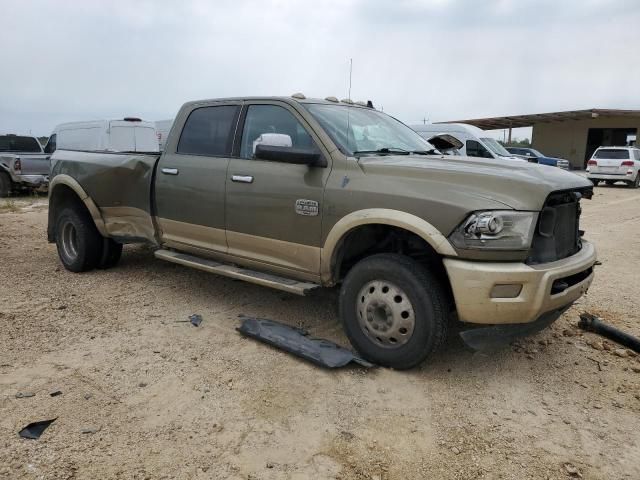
393,310
635,183
5,185
111,253
595,182
79,242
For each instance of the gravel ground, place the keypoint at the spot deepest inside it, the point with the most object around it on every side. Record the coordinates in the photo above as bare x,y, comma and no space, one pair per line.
146,395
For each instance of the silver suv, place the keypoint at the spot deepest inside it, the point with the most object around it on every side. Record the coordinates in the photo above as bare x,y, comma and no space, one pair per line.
615,164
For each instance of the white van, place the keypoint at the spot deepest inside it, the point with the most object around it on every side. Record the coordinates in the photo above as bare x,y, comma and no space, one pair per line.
163,127
126,135
475,142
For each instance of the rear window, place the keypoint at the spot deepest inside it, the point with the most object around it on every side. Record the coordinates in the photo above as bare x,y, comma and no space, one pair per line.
10,143
612,154
207,131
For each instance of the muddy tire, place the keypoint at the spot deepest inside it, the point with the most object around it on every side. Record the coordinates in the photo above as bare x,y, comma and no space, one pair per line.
111,253
5,185
79,242
393,310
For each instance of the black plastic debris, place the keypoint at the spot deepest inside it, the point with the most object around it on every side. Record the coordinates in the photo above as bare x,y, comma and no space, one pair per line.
35,429
55,393
195,319
484,339
297,341
594,324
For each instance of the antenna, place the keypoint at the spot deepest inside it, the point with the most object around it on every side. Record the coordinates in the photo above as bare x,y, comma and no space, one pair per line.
350,72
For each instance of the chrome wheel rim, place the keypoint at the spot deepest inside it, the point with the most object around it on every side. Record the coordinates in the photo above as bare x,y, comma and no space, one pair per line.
385,314
69,241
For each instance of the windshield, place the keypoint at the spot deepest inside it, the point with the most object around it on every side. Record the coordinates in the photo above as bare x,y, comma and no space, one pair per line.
361,130
495,147
15,143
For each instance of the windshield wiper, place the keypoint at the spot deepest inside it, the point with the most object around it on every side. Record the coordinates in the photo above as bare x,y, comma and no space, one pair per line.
384,151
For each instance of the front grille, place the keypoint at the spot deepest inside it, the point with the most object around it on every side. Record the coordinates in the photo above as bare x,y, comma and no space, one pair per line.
557,234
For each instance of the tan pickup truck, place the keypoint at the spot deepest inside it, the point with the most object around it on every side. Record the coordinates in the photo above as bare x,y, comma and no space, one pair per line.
297,194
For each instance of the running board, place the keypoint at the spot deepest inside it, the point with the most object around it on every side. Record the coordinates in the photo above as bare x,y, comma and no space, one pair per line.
239,273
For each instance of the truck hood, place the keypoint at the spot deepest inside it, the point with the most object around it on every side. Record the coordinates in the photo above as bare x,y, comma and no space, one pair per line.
518,185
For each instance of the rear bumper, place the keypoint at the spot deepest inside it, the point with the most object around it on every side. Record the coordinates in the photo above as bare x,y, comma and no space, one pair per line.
619,177
31,180
472,283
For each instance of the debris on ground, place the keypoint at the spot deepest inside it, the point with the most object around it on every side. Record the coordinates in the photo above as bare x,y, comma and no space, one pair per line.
25,394
594,324
195,319
55,393
90,430
297,341
572,470
35,429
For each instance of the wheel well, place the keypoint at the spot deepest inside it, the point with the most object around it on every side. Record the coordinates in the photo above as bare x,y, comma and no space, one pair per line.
62,196
367,240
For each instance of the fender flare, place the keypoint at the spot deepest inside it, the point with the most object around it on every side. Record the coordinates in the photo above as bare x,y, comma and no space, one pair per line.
380,216
68,181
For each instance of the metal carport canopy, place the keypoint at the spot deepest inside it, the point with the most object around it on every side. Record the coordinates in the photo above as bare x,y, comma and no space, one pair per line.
518,121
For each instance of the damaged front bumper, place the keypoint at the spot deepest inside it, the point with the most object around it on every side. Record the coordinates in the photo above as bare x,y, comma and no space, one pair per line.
536,289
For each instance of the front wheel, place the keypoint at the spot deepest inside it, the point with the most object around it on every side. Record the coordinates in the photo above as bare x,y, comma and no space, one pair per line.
393,310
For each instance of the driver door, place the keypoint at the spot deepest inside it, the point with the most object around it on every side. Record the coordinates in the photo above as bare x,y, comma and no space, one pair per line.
274,209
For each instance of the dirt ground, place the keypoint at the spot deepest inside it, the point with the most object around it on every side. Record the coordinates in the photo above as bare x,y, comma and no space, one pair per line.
146,395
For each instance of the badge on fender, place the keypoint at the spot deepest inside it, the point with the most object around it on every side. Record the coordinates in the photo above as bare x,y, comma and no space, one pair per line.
307,207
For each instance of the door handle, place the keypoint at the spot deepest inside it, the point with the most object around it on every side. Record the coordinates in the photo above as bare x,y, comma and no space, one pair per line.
170,171
242,178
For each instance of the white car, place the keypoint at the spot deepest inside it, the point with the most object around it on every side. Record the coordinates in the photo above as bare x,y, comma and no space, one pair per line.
615,164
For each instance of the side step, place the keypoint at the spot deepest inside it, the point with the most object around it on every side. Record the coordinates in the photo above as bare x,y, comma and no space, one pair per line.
252,276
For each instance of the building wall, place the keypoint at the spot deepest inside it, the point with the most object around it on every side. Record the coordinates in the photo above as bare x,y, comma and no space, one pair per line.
568,139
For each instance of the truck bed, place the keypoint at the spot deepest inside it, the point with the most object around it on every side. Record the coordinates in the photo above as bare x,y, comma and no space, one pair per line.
125,208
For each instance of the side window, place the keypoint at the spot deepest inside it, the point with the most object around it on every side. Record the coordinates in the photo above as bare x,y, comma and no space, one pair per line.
637,153
475,149
272,119
208,131
50,147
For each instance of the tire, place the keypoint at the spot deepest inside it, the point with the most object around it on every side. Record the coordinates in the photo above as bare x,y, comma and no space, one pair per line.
111,253
636,182
79,242
399,327
595,182
5,185
609,182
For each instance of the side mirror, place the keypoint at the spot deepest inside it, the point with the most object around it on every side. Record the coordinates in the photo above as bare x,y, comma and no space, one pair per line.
273,140
298,156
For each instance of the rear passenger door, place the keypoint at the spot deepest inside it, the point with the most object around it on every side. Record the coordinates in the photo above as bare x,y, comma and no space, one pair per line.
273,210
191,175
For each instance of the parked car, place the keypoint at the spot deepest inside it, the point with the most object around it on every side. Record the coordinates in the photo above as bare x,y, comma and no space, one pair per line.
298,194
534,156
475,142
127,135
614,164
163,127
23,164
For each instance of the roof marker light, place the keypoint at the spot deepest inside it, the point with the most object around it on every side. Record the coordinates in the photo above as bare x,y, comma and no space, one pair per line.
331,99
299,96
347,100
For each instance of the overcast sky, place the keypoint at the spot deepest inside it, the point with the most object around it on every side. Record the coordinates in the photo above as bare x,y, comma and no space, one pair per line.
435,59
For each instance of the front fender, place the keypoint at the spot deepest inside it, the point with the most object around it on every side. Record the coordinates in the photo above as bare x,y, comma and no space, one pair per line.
379,216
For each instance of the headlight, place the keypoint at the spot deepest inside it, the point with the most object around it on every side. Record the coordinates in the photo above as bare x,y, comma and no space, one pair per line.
496,230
